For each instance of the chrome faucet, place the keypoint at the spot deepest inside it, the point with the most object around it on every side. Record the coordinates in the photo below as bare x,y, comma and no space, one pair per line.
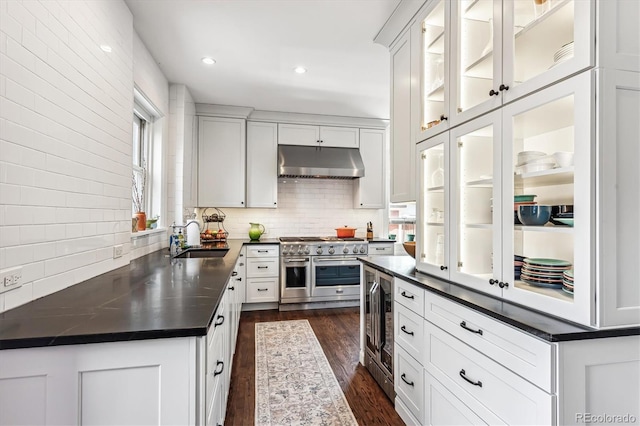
175,245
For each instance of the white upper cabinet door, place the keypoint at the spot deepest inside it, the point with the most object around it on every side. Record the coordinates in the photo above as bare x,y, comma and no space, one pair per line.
617,194
619,42
262,167
403,148
370,189
339,137
298,134
221,163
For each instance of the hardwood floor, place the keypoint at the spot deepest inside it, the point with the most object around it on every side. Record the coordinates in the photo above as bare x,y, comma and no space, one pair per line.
337,331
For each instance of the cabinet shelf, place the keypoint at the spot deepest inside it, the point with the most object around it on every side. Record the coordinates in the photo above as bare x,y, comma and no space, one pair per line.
557,293
559,176
436,94
434,39
481,67
435,224
557,17
481,183
479,225
479,11
549,227
435,189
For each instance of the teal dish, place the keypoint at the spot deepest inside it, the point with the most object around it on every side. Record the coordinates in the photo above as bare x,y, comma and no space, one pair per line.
523,198
565,221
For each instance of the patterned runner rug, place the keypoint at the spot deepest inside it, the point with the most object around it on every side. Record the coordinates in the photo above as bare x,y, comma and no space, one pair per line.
294,381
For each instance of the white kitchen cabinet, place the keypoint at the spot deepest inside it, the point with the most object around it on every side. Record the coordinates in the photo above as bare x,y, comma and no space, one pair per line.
433,207
301,134
403,148
262,159
262,271
370,189
221,162
442,407
381,249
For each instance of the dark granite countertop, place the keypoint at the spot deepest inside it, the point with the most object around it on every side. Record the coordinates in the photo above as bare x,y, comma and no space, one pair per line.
543,326
152,297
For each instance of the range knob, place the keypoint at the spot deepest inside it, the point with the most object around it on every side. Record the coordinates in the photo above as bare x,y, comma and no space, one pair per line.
299,249
285,249
319,250
362,249
306,250
355,249
331,250
345,250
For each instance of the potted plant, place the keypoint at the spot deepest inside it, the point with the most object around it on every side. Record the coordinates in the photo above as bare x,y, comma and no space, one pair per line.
138,184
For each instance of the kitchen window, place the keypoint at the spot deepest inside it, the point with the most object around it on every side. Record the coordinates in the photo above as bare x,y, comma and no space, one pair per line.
146,154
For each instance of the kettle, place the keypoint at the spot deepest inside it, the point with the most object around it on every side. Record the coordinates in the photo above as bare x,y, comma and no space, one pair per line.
256,231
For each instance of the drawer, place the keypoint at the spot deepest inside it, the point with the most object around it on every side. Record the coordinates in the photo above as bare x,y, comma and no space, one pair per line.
471,375
409,295
263,250
409,330
262,290
218,317
380,249
408,382
442,407
526,355
267,267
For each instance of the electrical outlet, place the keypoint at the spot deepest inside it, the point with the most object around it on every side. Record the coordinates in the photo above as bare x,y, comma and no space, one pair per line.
117,251
10,278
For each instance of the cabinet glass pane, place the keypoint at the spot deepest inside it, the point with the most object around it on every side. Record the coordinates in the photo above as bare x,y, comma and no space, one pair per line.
433,67
433,237
543,147
475,49
475,203
543,36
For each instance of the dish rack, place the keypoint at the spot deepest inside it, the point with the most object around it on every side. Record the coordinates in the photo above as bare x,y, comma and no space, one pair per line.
213,233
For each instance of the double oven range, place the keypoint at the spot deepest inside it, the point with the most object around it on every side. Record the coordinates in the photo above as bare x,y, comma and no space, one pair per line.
320,269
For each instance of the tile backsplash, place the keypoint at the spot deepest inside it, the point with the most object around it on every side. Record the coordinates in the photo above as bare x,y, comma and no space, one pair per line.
306,207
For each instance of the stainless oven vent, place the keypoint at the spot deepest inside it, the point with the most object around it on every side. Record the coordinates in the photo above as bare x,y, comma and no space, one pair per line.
296,161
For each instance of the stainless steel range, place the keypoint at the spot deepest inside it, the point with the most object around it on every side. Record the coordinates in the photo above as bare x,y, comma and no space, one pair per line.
320,269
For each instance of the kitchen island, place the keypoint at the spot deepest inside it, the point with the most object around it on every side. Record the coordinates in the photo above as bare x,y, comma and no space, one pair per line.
139,344
462,355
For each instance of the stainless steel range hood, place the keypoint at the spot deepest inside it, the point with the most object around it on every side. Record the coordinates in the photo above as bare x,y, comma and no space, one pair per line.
319,162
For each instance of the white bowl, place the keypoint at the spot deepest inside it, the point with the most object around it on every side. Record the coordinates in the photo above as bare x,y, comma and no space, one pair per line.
536,167
526,156
537,160
563,159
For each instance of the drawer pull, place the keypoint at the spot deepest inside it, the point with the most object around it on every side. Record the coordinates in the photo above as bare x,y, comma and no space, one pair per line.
219,321
262,267
463,324
410,296
339,291
403,328
231,288
405,380
263,251
380,248
234,273
263,289
463,375
221,364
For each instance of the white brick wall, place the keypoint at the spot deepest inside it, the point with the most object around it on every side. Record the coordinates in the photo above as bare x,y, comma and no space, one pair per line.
308,207
65,141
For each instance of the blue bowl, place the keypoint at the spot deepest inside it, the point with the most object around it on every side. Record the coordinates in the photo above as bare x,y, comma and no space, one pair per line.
535,215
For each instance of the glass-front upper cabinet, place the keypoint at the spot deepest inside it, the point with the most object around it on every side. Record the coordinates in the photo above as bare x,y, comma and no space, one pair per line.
432,237
508,49
547,158
430,34
476,203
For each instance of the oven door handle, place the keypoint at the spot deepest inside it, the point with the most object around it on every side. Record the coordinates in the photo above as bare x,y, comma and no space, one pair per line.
306,259
334,259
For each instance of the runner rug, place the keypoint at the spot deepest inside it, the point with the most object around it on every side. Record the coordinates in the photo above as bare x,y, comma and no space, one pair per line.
294,381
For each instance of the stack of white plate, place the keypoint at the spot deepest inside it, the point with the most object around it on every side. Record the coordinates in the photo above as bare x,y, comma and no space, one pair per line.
544,272
564,53
534,161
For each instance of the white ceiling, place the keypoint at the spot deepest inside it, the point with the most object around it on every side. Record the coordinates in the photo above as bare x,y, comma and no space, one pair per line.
257,43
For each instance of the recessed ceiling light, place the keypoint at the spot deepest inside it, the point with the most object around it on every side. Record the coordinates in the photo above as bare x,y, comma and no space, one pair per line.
300,70
106,48
209,61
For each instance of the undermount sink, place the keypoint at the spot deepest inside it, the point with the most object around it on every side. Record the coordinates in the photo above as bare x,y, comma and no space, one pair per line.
198,253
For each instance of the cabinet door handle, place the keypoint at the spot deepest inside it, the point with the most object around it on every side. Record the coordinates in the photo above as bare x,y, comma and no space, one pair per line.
492,281
242,264
443,117
503,87
262,267
403,328
443,268
234,273
231,288
493,93
219,321
411,296
503,285
221,364
463,324
463,375
263,289
405,380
